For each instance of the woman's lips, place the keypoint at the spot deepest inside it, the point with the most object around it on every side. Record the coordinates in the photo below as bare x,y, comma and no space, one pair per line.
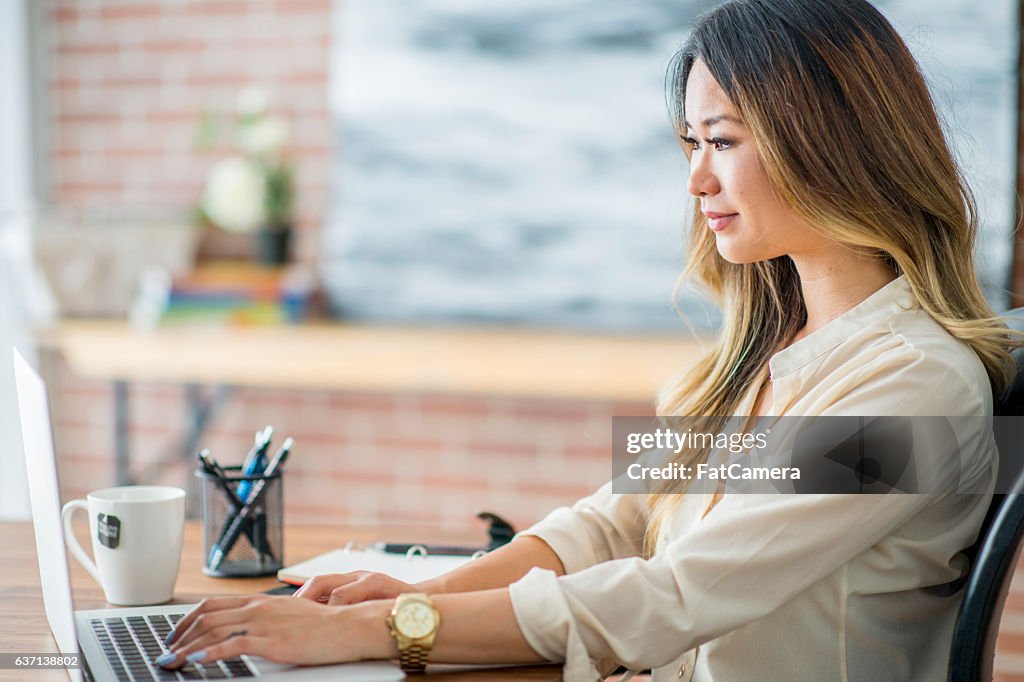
719,221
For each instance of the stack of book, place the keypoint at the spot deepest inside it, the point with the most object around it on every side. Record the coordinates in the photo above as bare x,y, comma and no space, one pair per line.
228,293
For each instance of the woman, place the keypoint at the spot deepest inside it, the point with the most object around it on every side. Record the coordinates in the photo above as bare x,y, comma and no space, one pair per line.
836,231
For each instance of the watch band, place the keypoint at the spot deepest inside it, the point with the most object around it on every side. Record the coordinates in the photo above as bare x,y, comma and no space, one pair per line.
413,652
413,659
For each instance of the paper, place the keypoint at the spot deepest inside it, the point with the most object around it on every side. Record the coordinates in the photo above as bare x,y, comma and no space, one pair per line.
407,569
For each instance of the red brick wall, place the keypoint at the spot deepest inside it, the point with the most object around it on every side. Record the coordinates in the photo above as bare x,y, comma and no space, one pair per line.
129,80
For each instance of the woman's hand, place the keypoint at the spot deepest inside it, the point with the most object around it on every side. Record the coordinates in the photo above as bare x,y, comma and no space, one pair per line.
280,629
336,589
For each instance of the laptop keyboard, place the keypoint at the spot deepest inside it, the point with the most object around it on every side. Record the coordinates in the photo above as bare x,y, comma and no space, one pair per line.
131,644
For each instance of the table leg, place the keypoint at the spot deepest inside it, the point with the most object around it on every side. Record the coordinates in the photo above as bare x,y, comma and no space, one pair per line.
199,412
122,453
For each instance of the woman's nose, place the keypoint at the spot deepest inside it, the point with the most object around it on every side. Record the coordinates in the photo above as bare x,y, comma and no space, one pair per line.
702,181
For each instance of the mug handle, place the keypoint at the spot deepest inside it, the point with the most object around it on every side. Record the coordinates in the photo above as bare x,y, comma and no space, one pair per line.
76,549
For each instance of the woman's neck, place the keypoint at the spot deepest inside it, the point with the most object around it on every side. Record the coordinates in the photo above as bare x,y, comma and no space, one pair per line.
836,281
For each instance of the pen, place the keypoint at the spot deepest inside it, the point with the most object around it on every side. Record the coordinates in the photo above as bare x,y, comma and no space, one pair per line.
238,522
432,550
260,520
256,460
214,470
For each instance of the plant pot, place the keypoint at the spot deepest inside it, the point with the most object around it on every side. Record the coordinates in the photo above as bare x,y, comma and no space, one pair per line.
273,244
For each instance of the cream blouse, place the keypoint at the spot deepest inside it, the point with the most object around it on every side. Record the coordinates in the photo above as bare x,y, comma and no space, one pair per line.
784,587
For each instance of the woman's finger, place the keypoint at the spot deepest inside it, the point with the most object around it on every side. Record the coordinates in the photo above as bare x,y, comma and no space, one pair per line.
216,608
318,588
368,586
230,648
211,637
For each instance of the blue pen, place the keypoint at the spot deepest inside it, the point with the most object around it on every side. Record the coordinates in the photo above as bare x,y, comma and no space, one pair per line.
255,461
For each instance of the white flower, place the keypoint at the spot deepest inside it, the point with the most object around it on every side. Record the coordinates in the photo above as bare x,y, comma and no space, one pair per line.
234,194
252,101
263,137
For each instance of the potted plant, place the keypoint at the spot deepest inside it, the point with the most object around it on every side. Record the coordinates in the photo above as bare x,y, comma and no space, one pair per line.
251,191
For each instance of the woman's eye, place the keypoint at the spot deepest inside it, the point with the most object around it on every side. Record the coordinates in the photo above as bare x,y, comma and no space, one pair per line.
717,143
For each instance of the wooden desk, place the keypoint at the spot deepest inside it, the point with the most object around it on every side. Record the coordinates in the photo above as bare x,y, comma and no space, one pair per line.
465,361
345,357
23,626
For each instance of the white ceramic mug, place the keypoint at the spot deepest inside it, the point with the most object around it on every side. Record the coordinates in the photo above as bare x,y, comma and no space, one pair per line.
136,536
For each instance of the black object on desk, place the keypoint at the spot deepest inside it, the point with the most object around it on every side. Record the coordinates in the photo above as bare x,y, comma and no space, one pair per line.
260,524
251,514
258,517
500,532
213,469
285,590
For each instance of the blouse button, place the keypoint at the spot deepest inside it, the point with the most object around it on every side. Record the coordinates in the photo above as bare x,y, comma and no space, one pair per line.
687,665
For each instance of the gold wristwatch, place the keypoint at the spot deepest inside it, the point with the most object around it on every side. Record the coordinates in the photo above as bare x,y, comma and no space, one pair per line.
413,623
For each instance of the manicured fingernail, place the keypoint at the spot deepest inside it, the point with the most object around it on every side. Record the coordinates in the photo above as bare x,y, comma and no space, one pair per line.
196,656
165,659
170,636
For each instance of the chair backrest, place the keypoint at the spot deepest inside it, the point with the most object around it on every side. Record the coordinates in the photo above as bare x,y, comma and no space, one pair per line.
1012,402
977,624
993,557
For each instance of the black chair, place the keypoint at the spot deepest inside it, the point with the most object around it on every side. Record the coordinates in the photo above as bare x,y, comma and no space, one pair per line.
993,557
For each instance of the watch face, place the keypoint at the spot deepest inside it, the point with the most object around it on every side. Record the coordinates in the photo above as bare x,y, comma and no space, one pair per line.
415,620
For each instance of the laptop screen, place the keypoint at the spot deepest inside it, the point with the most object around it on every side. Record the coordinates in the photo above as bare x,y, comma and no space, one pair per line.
44,497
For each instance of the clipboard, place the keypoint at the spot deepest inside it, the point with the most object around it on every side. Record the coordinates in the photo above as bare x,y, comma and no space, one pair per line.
414,566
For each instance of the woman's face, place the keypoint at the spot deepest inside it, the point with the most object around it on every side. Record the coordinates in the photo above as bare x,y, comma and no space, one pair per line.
749,221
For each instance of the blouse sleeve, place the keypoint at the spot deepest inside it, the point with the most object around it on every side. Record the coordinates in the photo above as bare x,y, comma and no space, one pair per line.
598,528
747,558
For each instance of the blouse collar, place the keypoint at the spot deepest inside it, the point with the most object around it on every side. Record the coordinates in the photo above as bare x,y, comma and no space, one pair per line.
892,298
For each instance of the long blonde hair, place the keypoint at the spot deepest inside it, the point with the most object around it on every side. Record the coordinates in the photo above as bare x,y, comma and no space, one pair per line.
848,135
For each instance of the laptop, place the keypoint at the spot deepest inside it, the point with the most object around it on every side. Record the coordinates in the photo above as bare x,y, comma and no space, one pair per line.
122,643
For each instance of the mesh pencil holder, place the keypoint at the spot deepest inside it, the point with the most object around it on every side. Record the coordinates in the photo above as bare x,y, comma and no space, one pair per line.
242,540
